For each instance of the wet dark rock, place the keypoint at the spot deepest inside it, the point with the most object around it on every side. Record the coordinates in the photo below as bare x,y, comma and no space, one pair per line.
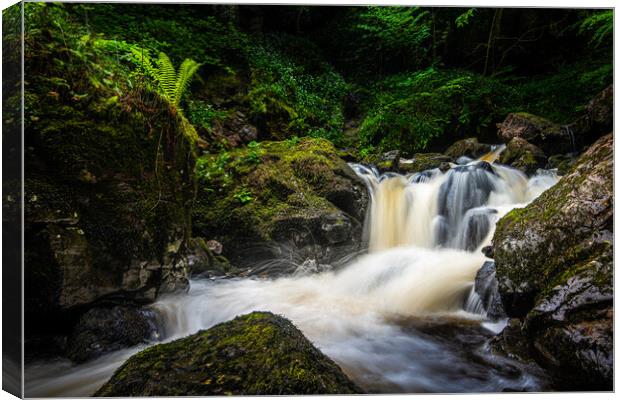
203,261
214,246
597,119
469,147
102,330
563,162
422,162
255,354
524,156
555,271
487,288
552,138
236,130
513,343
488,251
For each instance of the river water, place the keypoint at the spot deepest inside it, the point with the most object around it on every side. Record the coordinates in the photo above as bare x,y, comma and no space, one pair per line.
398,319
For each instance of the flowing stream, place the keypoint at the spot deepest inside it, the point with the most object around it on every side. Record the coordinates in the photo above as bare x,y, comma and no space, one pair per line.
398,319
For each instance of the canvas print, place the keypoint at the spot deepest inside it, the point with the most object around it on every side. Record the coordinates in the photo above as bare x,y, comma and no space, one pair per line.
225,199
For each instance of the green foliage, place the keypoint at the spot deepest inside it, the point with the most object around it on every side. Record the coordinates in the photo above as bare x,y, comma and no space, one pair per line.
396,31
559,96
254,153
204,115
170,84
243,195
212,169
409,110
465,18
599,25
311,104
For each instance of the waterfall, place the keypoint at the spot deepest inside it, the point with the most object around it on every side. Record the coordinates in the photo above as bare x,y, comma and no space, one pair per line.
398,319
457,209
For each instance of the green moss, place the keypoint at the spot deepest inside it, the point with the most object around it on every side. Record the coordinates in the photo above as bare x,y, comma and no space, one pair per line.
543,244
290,180
254,354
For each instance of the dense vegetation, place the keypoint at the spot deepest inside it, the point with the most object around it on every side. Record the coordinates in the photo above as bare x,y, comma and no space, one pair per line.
408,78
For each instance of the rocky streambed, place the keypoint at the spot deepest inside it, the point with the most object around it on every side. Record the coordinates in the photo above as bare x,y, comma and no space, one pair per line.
296,209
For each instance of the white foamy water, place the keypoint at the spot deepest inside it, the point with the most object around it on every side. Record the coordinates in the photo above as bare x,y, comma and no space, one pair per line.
393,319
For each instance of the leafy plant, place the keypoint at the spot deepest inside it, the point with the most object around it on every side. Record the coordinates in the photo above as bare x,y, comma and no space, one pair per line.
254,153
600,25
243,195
204,115
465,18
169,83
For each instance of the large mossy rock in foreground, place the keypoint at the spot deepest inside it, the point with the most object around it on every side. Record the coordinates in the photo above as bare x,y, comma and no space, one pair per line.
255,354
297,195
554,261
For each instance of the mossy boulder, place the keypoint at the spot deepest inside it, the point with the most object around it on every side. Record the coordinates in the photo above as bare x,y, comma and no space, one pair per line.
296,193
522,155
552,138
255,354
469,147
555,270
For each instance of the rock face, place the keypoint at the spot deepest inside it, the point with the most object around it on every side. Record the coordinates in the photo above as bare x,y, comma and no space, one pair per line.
598,117
104,220
554,269
522,155
486,287
102,330
281,200
255,354
550,137
205,259
468,147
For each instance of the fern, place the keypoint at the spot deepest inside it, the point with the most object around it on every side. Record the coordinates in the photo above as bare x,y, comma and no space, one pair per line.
600,25
169,84
186,72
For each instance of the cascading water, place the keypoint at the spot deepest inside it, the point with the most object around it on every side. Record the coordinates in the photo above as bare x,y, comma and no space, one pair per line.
395,319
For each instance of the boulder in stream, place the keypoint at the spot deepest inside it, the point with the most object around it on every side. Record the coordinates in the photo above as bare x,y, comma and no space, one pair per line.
294,199
101,330
254,354
469,147
524,156
555,271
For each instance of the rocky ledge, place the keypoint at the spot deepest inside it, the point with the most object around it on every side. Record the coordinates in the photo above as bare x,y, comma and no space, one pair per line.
554,262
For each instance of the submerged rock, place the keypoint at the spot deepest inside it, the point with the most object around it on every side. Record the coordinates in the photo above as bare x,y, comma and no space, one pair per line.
469,147
102,330
522,155
255,354
555,271
485,285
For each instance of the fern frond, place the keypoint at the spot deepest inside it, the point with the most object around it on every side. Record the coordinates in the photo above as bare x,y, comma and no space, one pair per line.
186,72
143,59
167,77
